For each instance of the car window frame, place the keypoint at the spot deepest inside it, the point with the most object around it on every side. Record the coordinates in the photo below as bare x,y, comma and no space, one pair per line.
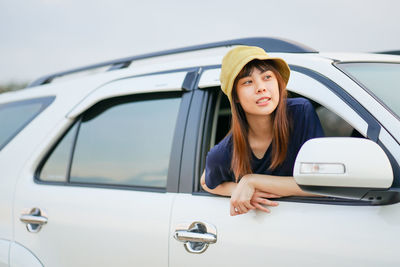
374,127
175,153
372,134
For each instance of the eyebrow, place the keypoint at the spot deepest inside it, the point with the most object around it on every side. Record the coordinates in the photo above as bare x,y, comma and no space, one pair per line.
266,71
262,72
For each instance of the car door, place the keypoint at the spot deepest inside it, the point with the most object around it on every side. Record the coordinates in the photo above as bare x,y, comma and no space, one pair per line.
100,188
317,231
15,115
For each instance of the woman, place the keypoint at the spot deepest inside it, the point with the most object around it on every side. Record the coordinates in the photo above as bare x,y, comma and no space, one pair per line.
255,160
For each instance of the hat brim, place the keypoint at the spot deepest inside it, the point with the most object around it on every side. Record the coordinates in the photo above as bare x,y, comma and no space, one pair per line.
280,65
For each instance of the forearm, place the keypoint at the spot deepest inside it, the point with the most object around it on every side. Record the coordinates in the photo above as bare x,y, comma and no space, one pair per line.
224,189
279,185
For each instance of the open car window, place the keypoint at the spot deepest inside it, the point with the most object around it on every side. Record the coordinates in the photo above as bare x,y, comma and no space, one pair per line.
333,125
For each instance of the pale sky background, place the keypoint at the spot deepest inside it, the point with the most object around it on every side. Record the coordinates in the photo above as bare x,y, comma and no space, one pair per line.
40,37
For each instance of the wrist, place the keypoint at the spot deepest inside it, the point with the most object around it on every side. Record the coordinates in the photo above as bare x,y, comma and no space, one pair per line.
248,179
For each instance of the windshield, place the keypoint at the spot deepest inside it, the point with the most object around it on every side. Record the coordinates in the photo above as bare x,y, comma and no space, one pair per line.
380,79
14,116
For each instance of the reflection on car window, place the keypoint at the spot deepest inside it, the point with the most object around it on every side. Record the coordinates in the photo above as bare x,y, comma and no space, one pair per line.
381,79
127,144
56,167
15,116
117,143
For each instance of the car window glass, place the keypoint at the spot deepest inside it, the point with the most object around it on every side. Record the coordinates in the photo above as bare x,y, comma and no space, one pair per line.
16,115
333,125
126,144
379,78
56,167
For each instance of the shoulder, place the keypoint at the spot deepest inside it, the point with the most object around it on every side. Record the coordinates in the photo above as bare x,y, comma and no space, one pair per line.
299,108
222,151
218,163
298,104
304,120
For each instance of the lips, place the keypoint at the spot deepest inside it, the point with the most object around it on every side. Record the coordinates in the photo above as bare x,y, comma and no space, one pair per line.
263,100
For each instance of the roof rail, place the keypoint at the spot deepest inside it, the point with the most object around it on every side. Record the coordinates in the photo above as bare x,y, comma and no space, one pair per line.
393,52
267,43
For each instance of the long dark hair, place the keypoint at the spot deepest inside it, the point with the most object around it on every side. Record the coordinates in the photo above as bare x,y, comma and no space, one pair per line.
240,164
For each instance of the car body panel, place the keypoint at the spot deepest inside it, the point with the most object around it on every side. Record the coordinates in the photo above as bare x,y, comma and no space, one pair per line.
99,227
292,234
4,252
21,257
360,57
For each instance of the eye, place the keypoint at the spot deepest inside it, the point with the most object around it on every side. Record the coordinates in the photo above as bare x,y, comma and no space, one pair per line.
267,77
247,82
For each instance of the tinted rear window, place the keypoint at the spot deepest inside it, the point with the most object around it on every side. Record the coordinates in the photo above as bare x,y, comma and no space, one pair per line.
124,141
14,116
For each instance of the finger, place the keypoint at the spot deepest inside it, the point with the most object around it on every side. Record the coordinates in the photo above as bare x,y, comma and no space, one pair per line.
232,211
242,208
270,202
258,206
249,206
264,195
266,202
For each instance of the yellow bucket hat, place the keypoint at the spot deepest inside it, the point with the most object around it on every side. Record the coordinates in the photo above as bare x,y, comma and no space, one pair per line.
234,61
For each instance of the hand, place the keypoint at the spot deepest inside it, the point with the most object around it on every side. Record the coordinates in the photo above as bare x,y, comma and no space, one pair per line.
245,197
260,197
241,196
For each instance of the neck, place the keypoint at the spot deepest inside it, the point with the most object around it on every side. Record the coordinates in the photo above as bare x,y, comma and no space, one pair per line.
259,126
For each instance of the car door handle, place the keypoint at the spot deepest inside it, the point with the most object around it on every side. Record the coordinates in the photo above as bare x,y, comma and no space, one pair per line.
26,218
187,236
196,236
34,220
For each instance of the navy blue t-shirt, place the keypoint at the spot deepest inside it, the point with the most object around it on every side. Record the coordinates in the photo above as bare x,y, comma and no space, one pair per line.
305,125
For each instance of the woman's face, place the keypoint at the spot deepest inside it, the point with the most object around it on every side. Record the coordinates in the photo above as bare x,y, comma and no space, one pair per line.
258,93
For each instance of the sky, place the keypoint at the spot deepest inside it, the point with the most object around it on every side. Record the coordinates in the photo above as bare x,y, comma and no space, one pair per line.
40,37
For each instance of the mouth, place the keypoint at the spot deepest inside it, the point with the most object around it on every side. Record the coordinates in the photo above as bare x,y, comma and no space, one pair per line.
263,100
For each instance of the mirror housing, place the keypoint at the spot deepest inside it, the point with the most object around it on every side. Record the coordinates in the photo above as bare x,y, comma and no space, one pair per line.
342,167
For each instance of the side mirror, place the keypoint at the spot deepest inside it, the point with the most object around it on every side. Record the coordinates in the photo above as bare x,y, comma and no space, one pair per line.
342,167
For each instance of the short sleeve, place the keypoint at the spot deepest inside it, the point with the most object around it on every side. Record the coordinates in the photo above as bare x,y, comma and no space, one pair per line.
311,126
218,166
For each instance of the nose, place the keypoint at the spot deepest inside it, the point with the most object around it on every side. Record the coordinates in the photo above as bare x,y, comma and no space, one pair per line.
260,87
261,90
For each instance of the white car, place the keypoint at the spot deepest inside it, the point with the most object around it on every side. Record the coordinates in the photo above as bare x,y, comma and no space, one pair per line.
100,165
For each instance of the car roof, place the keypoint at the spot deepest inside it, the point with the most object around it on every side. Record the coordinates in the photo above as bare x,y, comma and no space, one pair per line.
87,79
360,57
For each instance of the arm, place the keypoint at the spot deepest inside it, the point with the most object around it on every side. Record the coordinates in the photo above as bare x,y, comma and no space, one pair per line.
279,185
224,189
257,198
227,188
241,198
